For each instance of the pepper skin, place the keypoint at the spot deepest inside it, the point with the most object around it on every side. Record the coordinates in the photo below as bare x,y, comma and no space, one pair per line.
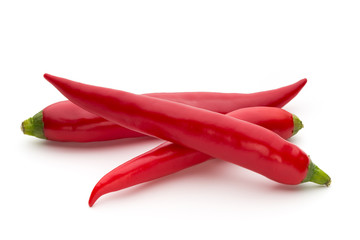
169,158
217,135
66,122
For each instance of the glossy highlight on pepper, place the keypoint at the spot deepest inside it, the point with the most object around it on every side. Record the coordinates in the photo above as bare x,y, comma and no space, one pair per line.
169,158
220,136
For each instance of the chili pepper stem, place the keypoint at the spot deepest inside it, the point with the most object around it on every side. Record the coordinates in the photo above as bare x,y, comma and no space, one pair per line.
316,175
297,124
34,126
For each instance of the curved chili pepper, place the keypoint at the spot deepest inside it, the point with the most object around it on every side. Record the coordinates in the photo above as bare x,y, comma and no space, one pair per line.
217,135
169,158
64,121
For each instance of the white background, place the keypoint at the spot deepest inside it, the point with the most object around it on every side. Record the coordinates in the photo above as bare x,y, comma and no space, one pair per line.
157,46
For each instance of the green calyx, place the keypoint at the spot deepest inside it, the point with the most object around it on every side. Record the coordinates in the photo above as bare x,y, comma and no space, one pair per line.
34,126
297,124
316,175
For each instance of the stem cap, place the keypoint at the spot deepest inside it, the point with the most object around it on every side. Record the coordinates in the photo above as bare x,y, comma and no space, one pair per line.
297,124
316,175
34,126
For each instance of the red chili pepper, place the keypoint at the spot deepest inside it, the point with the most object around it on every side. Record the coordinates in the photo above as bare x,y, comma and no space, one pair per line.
169,158
220,136
64,121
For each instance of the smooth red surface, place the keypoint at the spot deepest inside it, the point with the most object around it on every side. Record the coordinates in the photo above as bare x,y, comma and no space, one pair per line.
169,158
214,134
65,121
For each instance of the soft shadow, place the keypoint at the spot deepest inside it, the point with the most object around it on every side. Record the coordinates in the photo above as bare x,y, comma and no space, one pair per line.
295,140
96,145
297,188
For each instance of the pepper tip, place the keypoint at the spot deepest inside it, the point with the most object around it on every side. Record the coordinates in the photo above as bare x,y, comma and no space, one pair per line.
93,197
302,82
46,76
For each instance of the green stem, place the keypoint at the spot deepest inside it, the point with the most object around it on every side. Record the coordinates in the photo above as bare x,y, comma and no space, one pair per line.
316,175
297,124
34,126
